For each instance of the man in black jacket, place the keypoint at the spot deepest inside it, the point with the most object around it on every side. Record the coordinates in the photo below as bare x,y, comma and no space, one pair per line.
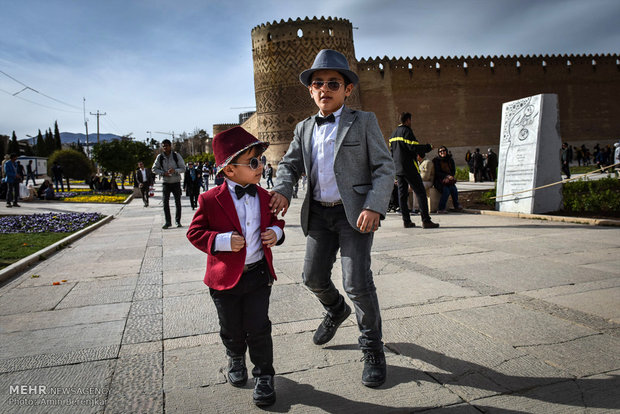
144,180
405,148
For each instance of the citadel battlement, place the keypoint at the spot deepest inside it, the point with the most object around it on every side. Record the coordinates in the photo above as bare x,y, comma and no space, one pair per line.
455,100
545,62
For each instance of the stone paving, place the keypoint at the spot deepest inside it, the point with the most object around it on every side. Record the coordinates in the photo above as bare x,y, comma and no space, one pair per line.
485,314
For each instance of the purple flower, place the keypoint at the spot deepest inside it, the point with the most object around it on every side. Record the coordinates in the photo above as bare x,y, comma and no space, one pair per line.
50,222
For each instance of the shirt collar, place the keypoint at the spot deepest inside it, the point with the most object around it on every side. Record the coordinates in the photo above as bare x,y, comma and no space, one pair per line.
231,185
336,114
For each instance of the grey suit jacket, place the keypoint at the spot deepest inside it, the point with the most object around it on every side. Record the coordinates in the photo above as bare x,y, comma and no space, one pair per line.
363,166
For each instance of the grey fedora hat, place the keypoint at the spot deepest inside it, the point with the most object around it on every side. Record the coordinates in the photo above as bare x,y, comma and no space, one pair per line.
328,59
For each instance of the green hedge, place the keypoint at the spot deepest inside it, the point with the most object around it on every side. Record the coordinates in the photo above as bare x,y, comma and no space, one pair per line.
600,196
462,173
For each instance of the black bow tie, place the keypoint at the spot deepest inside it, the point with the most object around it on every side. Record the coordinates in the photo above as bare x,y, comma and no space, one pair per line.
321,120
240,191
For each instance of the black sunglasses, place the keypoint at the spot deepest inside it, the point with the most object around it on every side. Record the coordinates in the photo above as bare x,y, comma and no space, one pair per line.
254,163
331,85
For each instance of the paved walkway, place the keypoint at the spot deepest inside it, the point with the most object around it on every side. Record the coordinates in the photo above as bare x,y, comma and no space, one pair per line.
485,314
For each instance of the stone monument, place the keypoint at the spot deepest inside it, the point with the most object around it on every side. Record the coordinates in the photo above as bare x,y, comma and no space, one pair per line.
529,156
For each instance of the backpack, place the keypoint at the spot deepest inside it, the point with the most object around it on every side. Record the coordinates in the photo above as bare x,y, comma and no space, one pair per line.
174,156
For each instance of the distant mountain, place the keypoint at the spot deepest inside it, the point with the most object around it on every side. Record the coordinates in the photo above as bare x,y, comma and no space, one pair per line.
72,138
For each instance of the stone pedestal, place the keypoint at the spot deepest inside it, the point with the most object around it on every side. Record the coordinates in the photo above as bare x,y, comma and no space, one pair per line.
529,156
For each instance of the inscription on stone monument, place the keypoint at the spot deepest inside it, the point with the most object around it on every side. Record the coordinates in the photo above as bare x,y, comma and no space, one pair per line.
529,156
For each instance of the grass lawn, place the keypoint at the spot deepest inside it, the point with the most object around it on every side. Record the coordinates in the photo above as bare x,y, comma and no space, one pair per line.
16,246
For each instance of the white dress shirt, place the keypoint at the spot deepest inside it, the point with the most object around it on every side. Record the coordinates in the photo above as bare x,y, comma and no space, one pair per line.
323,151
144,179
248,211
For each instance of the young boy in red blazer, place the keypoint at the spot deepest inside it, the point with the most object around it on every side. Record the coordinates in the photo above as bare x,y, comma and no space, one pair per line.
236,229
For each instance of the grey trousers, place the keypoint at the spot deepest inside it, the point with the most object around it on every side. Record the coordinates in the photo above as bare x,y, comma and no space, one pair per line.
328,232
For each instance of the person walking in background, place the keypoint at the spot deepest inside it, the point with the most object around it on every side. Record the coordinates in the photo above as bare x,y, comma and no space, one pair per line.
12,179
144,179
191,184
477,162
491,165
206,172
30,173
21,171
170,166
405,149
350,178
57,176
565,160
269,175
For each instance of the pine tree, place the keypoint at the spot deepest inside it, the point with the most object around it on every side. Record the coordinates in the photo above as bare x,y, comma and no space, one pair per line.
49,142
28,151
57,141
39,149
13,145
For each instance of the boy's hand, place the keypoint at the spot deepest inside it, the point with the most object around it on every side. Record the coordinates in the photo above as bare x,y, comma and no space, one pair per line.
278,203
269,238
236,242
368,221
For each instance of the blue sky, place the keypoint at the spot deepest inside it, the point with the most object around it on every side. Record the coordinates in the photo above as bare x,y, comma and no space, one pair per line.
178,65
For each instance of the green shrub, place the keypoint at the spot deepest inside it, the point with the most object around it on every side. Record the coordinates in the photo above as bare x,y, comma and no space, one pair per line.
592,196
462,173
486,197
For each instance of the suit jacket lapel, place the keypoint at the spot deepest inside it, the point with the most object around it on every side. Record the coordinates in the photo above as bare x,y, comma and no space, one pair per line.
228,206
263,199
346,120
307,143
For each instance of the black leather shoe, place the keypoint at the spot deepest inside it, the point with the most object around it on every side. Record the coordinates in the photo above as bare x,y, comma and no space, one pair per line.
237,372
166,226
179,224
327,329
408,225
264,392
374,368
429,225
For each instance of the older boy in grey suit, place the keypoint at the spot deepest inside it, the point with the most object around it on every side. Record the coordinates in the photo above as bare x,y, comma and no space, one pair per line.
351,176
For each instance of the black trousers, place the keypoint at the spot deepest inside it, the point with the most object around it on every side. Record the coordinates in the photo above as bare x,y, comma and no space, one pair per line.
243,313
566,169
175,189
416,183
144,190
328,232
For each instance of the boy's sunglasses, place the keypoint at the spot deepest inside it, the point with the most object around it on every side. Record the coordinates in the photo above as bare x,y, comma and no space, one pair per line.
331,85
254,163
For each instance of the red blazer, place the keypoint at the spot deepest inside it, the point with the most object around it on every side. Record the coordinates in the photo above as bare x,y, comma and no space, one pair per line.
217,214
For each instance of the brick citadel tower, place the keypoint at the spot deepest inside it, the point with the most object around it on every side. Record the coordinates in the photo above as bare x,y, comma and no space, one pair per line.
455,101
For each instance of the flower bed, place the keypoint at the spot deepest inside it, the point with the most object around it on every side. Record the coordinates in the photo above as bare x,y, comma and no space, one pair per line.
47,223
83,195
103,198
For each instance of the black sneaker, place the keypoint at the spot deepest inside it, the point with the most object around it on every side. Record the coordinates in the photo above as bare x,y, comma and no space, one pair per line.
9,205
429,225
327,329
237,372
264,392
179,224
374,368
16,205
166,226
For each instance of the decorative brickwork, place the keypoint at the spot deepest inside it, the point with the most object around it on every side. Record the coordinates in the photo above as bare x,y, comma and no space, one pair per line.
455,101
281,51
217,128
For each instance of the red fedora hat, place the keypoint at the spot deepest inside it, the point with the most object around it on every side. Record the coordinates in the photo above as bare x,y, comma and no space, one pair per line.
232,142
